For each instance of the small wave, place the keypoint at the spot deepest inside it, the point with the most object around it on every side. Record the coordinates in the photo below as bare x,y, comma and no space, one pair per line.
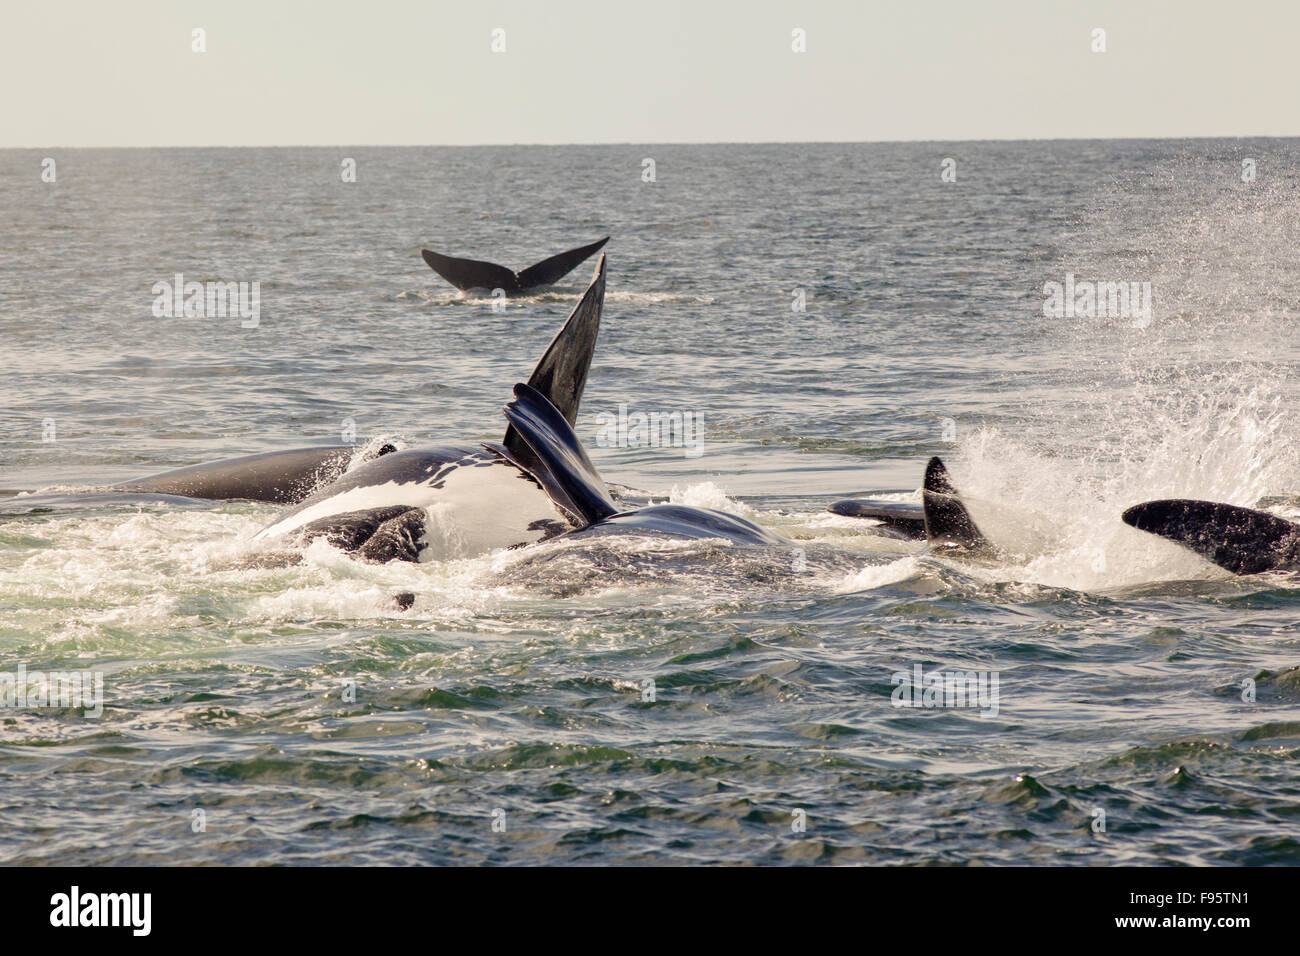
879,576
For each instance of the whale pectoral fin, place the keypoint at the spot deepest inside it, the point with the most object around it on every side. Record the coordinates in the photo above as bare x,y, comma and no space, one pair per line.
377,534
557,267
947,522
561,375
471,273
558,461
1240,540
898,517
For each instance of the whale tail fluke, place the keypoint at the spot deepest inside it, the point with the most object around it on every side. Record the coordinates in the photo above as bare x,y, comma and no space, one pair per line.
557,267
1240,540
557,460
947,522
467,274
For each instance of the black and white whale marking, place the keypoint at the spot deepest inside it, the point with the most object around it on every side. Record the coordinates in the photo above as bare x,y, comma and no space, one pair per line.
467,274
454,500
449,501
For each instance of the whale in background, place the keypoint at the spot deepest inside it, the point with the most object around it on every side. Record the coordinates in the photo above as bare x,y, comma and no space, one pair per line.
467,274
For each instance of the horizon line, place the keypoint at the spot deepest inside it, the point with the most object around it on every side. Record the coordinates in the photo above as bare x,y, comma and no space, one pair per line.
737,142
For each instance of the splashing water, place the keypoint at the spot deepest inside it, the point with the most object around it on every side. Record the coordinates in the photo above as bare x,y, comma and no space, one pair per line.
1199,403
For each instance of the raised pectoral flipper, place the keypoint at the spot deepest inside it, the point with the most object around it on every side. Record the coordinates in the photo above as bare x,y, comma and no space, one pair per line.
1241,540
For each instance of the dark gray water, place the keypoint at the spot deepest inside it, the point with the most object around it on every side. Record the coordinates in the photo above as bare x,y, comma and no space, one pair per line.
519,682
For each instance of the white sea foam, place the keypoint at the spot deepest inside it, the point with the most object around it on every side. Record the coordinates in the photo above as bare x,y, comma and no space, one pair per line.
878,576
708,494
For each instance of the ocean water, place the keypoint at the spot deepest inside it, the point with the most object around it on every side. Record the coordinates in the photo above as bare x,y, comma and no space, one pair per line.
834,314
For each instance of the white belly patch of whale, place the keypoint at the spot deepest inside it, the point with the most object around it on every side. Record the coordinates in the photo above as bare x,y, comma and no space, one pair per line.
474,511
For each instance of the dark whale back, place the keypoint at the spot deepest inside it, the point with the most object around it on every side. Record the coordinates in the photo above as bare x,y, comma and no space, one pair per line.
564,470
681,521
282,477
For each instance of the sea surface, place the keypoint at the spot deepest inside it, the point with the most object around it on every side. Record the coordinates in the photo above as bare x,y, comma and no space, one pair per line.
833,315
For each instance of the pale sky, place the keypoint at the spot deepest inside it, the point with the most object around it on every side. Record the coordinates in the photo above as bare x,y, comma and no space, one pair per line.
391,72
